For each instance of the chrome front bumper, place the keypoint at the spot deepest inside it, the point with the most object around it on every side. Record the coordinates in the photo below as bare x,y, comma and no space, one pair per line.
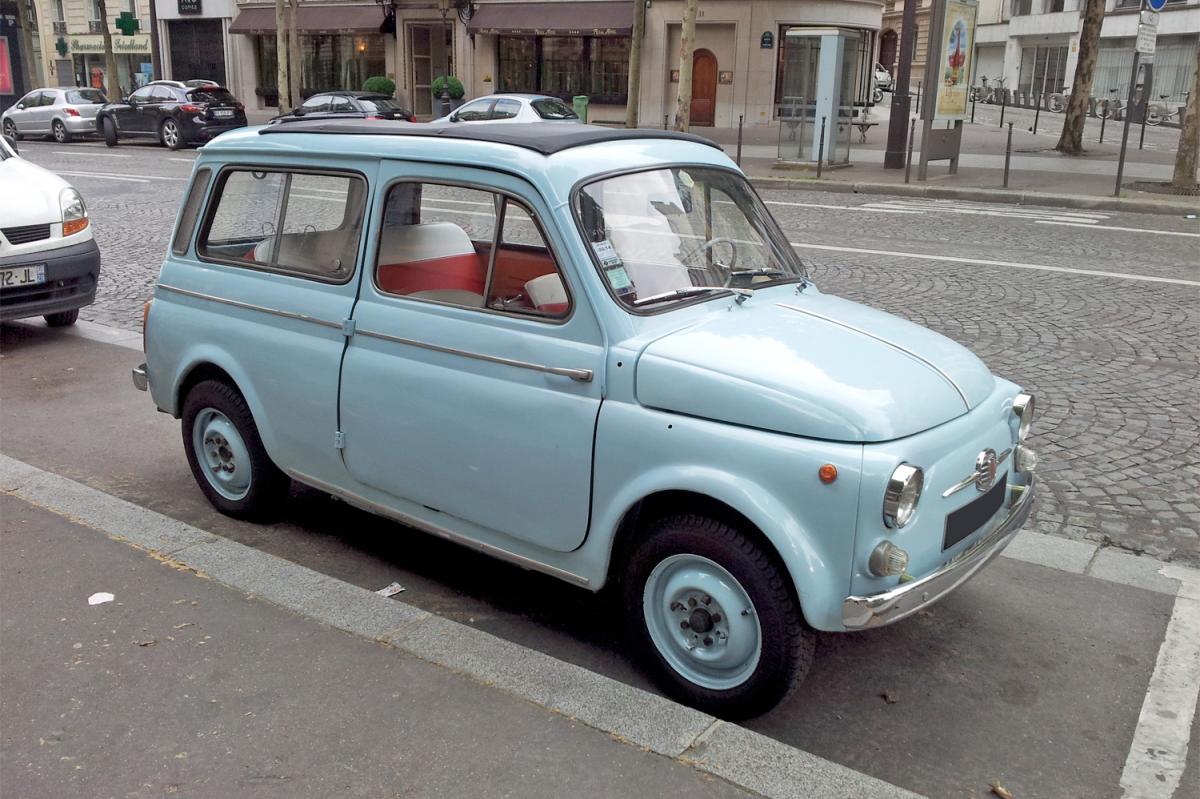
140,381
862,612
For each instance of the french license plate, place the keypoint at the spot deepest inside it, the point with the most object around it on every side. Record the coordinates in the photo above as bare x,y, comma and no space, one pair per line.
22,276
222,112
970,517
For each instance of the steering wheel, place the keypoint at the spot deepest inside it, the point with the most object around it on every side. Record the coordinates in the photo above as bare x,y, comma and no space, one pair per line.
708,245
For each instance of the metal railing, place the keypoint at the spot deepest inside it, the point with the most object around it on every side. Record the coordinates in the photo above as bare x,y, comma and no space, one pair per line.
95,26
60,28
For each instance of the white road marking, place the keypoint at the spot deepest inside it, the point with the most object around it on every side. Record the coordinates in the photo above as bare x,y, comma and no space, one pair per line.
1013,264
1158,755
877,210
185,160
1125,229
996,212
90,155
112,176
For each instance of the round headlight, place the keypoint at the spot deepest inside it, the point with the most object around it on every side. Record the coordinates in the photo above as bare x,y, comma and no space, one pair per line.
902,494
1023,409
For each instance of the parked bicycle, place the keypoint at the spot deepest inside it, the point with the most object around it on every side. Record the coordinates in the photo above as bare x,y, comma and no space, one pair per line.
1158,113
1057,102
988,92
1109,108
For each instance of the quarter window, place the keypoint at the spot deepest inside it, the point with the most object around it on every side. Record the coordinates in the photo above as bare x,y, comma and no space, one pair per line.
304,224
191,209
470,248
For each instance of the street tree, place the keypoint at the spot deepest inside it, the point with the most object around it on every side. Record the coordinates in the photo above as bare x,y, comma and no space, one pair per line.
28,15
281,55
110,61
1189,137
294,96
687,44
1070,142
635,63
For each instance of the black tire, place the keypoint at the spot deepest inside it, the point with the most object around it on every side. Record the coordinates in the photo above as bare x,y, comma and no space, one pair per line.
787,643
165,130
110,131
60,133
62,318
268,486
10,130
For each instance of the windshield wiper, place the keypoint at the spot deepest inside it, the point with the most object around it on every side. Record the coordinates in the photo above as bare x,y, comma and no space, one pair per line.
689,291
759,273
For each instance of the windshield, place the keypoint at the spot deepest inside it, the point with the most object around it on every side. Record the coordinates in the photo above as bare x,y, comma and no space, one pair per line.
212,94
551,108
86,97
671,235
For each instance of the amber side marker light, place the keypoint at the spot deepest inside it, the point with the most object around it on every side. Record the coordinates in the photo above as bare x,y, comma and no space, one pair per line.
145,317
827,473
74,226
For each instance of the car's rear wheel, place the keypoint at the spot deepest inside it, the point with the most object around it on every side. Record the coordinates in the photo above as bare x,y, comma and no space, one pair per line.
170,134
109,129
62,318
227,456
61,134
715,617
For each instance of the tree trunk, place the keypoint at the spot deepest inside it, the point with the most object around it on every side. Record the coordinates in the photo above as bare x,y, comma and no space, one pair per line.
635,63
28,9
296,71
110,60
687,43
1189,137
281,57
1070,142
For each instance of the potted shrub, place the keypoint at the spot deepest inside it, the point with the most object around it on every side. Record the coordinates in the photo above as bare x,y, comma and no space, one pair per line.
452,86
380,84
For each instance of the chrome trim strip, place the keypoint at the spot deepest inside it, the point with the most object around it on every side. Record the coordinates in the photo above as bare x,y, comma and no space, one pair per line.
970,479
488,549
140,381
882,340
251,307
579,375
861,612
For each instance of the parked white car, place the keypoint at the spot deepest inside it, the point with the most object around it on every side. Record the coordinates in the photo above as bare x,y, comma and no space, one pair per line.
49,262
514,108
62,113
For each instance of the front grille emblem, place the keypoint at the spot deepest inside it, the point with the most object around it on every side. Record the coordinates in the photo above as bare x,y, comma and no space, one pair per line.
985,469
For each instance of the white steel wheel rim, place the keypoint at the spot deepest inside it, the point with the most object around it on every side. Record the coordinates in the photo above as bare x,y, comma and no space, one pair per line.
702,622
222,454
170,133
60,132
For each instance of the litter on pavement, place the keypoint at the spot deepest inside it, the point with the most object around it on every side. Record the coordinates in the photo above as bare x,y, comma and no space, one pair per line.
100,598
390,590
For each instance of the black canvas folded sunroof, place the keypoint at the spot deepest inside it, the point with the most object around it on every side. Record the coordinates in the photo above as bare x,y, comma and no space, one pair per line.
546,138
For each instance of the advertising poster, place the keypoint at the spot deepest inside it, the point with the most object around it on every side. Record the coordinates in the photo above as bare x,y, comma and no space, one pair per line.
6,72
958,50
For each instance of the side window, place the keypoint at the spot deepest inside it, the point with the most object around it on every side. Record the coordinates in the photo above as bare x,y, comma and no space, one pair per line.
443,244
340,104
318,103
142,95
191,210
474,112
162,94
506,109
302,224
44,98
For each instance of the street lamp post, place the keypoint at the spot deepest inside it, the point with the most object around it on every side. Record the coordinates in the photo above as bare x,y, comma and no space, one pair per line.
444,7
391,25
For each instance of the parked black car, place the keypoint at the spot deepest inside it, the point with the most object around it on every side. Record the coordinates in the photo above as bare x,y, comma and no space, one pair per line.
363,105
177,114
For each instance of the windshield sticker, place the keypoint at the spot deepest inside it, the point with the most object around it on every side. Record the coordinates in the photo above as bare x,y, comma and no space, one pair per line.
606,253
618,278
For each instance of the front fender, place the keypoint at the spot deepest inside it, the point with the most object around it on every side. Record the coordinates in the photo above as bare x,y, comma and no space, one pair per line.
769,478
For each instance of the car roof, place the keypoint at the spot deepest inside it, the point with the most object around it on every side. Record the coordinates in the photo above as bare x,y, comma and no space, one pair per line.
541,137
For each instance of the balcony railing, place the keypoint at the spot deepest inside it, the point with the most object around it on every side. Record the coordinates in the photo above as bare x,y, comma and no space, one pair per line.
60,28
95,26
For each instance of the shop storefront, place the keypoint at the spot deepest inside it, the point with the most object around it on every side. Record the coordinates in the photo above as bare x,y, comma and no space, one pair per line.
194,40
131,53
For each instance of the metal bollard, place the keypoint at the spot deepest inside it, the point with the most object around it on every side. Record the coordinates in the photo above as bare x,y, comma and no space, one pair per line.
972,108
912,134
1003,105
1037,113
1103,119
738,160
821,148
666,119
1142,135
919,98
1007,154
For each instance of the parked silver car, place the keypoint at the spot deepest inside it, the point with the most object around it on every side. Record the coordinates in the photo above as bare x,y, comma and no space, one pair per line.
513,108
62,113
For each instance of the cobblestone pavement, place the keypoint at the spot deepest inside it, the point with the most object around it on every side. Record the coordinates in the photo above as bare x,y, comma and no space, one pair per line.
1115,362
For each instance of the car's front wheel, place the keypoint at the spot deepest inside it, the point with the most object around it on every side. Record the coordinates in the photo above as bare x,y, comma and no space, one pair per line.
226,455
715,617
170,134
61,134
10,130
62,318
109,129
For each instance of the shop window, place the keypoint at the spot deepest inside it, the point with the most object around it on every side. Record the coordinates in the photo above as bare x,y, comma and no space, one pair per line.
564,66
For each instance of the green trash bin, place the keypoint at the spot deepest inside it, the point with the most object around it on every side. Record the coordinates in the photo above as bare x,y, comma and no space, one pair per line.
579,104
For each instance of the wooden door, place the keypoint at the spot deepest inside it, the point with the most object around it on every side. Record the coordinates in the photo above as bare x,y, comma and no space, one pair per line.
704,88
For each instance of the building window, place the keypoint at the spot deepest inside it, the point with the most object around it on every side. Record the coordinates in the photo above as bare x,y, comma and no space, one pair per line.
564,66
1021,8
1054,6
1043,70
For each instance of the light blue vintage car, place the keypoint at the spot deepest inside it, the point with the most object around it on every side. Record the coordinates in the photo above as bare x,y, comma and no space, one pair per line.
592,353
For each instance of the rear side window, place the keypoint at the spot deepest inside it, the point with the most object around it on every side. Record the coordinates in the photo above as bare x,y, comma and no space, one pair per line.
506,109
552,108
86,97
191,210
212,94
303,224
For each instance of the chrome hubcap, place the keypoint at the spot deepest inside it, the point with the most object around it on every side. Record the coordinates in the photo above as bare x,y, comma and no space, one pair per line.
170,133
702,621
59,132
222,453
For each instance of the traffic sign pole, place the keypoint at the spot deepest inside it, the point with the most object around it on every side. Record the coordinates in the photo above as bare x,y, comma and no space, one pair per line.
1125,129
1147,33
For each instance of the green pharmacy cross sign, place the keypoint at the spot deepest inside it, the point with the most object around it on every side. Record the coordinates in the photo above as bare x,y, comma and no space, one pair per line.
61,47
127,23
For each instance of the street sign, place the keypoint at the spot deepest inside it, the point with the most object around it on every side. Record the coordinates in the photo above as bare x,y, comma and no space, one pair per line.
1146,37
1157,5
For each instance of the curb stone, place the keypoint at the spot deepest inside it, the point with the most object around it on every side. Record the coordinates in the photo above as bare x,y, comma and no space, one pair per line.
1007,196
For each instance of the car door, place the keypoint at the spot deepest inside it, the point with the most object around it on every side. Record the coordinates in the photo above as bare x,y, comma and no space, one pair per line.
41,113
129,114
472,382
163,100
22,112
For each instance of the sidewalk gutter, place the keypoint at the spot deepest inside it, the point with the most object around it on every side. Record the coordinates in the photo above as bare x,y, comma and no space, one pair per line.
1138,205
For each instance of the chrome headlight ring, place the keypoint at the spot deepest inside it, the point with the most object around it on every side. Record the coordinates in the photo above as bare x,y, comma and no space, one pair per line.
902,494
1022,408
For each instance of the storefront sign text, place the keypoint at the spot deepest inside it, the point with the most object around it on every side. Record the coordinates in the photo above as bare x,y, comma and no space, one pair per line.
552,32
139,43
190,8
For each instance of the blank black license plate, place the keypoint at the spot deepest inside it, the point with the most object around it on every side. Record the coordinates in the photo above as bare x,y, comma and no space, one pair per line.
970,517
